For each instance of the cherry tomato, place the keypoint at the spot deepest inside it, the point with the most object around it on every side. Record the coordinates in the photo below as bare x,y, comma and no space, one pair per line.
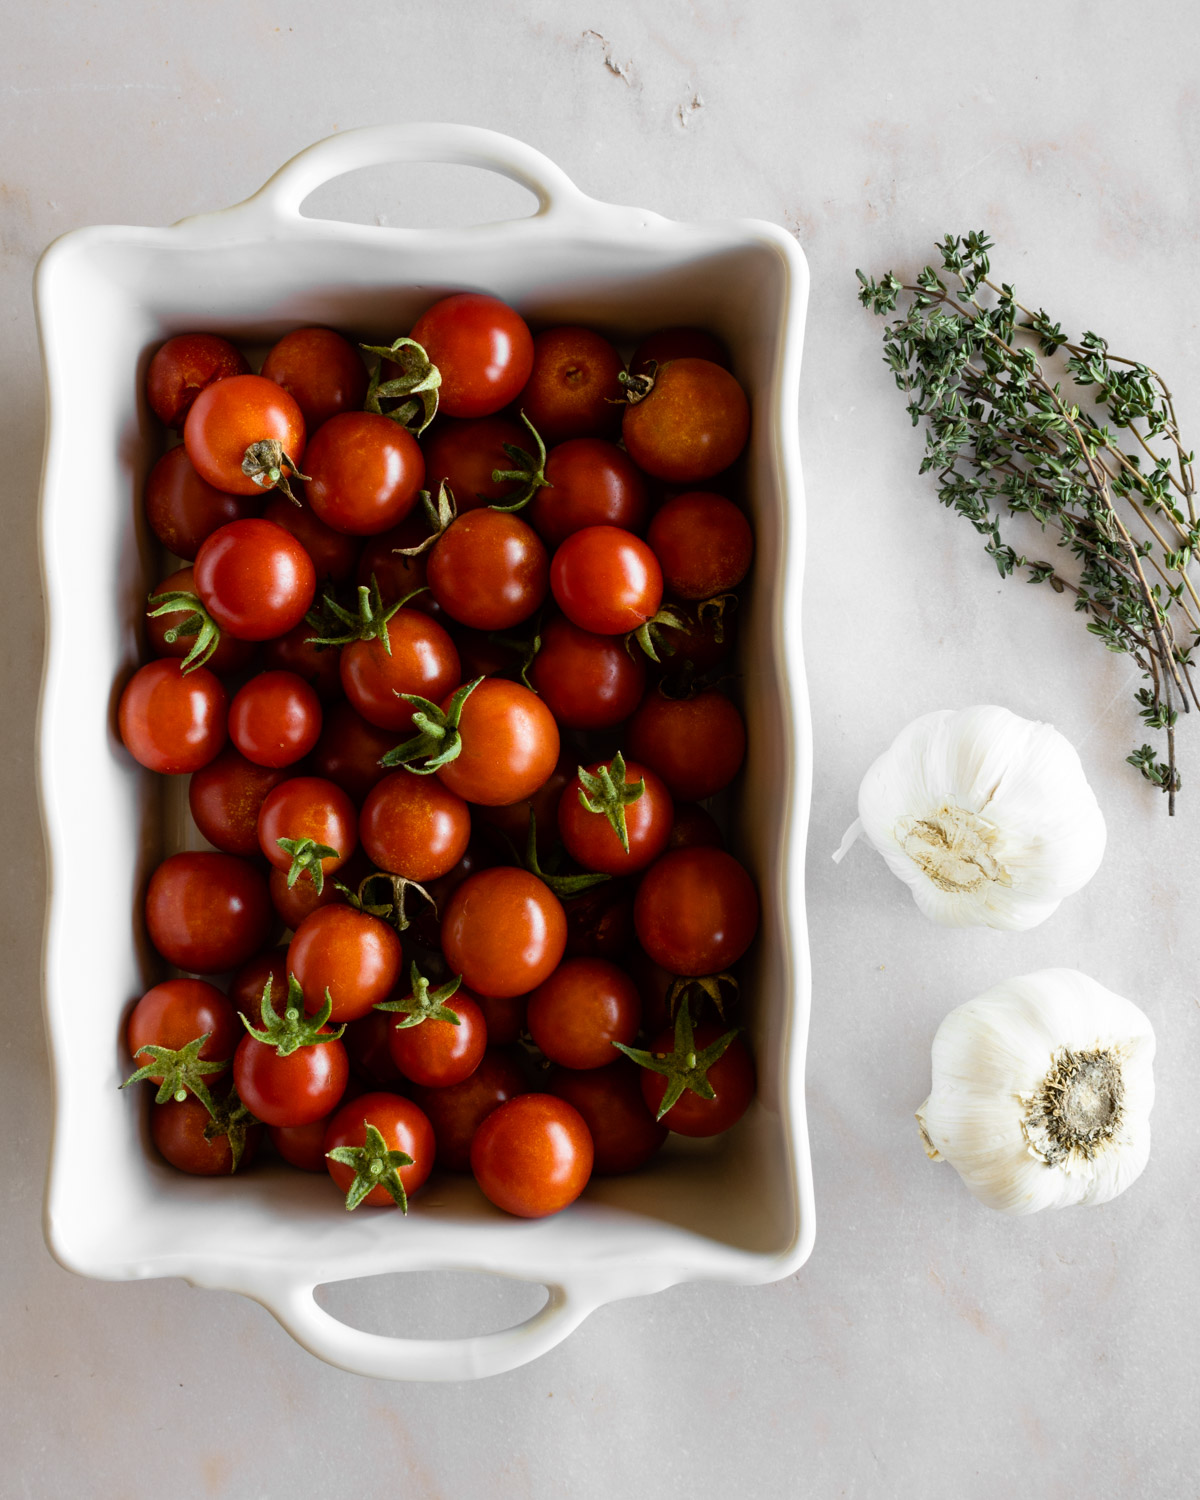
457,1112
247,985
509,745
364,473
696,745
488,570
403,1127
703,542
422,661
225,797
590,483
230,656
302,1146
465,455
503,931
606,580
176,1012
573,389
255,579
585,1006
532,1156
177,1129
183,367
308,807
293,903
482,348
696,911
624,1131
437,1053
593,841
230,419
275,719
678,343
349,751
703,640
334,555
295,653
587,681
171,722
693,424
731,1077
694,828
425,923
353,955
414,826
207,912
291,1090
182,509
600,921
322,372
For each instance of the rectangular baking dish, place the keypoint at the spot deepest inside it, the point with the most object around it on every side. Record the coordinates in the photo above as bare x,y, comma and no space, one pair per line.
736,1210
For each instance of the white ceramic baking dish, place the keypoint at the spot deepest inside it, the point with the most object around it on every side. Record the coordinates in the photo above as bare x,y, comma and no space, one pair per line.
738,1210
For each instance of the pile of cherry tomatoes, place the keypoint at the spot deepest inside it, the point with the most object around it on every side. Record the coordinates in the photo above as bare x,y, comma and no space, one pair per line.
447,662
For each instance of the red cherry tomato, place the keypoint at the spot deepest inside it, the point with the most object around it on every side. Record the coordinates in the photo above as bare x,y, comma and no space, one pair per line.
177,1129
457,1112
172,722
322,372
704,544
704,640
403,1127
437,1053
593,841
247,985
308,807
465,455
488,570
231,655
623,1130
353,955
182,509
275,719
509,745
731,1077
349,751
229,419
590,483
293,903
422,661
693,424
208,912
532,1156
503,931
291,1090
302,1146
574,388
585,1006
334,555
696,911
414,826
183,367
586,681
678,343
225,797
606,580
364,473
696,745
255,579
176,1012
482,348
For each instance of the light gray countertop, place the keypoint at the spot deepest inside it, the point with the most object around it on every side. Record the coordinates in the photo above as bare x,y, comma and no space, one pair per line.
929,1347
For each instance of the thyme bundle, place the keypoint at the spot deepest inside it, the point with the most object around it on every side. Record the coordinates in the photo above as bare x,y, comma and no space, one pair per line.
1089,449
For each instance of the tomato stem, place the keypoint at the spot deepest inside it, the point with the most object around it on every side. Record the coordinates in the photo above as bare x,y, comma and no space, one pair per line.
415,388
529,471
423,1004
683,1068
606,793
270,467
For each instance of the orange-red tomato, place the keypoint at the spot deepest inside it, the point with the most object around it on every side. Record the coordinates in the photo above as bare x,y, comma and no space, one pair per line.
176,1012
533,1156
509,744
573,389
230,417
696,745
465,455
590,482
585,1006
696,911
255,579
364,473
177,1130
230,656
403,1127
353,955
171,722
483,349
703,542
414,826
587,681
693,424
322,372
489,570
458,1111
731,1077
208,912
225,798
183,367
275,719
593,841
437,1053
503,931
422,661
623,1129
606,580
308,807
182,509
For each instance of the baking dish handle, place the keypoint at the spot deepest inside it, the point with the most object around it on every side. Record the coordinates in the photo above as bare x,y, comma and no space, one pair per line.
386,1358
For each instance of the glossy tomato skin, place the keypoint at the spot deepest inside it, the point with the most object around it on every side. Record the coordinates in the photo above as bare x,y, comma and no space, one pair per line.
593,841
584,1007
292,1090
696,745
225,797
425,917
350,749
403,1127
703,543
228,418
231,655
183,367
587,681
489,570
172,722
510,745
680,342
731,1076
574,389
457,1112
590,483
624,1132
176,1012
606,580
208,912
365,473
308,807
333,554
255,579
696,911
177,1130
322,372
353,955
503,931
465,455
532,1156
483,349
692,425
438,1054
182,509
275,719
414,826
423,661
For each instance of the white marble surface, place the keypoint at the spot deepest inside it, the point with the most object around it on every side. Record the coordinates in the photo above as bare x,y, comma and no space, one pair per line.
929,1347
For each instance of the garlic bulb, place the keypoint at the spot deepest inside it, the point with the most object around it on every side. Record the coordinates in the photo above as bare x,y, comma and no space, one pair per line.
987,817
1042,1090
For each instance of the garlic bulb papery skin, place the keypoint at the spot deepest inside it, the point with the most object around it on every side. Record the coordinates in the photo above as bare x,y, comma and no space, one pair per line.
988,818
1042,1090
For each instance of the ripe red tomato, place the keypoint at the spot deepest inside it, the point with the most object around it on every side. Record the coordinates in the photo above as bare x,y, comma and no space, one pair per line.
182,509
247,985
172,722
532,1156
334,555
364,473
509,745
225,797
573,389
702,639
465,455
229,657
587,681
308,807
255,579
403,1127
437,1053
503,931
240,420
353,955
183,367
295,1089
422,661
693,424
302,1146
703,542
414,826
178,1129
176,1012
731,1077
322,372
482,348
585,1006
293,903
349,751
589,483
488,570
623,1130
425,922
593,841
208,912
696,745
678,343
457,1112
696,911
606,580
275,719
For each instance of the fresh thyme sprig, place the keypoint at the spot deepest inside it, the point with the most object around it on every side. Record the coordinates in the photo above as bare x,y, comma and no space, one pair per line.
1089,449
